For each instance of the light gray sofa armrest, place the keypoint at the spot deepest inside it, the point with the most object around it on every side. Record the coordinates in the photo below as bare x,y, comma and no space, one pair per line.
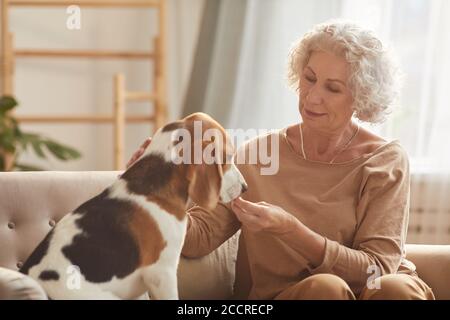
17,286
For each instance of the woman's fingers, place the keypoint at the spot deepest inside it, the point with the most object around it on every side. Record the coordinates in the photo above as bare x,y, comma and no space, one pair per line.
146,143
132,160
139,152
263,216
244,217
251,217
248,205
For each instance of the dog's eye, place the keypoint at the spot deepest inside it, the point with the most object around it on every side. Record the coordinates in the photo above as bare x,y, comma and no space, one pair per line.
177,140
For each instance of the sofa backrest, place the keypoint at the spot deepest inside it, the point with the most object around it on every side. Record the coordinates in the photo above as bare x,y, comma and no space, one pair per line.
32,202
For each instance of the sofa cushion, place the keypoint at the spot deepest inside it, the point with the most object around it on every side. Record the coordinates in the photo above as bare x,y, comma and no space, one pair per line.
210,277
32,202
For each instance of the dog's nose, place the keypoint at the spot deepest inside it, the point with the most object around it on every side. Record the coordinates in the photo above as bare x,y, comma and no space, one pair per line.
244,187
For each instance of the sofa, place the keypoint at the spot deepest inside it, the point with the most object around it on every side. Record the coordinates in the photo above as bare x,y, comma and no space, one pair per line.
31,203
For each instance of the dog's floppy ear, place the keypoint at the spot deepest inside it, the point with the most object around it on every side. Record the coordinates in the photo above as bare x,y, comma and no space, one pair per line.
205,183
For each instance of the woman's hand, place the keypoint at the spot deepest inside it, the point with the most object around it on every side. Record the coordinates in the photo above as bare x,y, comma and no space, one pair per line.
267,217
139,152
264,216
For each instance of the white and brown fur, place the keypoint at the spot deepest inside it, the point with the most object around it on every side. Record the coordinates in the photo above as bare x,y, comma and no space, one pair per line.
127,240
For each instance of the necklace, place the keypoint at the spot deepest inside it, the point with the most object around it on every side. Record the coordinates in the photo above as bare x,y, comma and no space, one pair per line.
339,152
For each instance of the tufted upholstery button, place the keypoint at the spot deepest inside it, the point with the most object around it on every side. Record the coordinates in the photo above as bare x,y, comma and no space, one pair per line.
52,223
19,264
11,225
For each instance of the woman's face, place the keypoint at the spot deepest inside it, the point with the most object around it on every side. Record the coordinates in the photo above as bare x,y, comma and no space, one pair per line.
325,98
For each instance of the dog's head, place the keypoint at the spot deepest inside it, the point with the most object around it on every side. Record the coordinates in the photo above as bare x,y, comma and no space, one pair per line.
202,145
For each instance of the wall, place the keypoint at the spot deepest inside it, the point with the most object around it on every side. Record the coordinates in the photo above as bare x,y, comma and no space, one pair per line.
82,86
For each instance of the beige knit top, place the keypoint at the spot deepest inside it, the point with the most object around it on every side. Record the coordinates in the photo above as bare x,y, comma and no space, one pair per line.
360,206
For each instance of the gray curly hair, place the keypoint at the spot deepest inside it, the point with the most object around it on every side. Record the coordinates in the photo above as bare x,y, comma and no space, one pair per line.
374,76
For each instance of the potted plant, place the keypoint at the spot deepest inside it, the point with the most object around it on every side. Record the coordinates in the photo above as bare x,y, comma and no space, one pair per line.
13,141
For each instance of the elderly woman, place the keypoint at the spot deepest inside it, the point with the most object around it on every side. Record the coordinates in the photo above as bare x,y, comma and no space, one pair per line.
332,222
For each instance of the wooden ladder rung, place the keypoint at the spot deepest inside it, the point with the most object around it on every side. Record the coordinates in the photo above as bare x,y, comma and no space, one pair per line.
139,96
81,119
86,3
26,53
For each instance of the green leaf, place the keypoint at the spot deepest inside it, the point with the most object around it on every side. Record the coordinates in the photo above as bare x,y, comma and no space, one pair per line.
22,141
14,140
7,103
55,150
27,139
26,167
36,144
7,141
60,151
15,127
72,153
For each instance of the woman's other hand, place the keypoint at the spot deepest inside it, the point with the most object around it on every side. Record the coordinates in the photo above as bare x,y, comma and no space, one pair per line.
139,152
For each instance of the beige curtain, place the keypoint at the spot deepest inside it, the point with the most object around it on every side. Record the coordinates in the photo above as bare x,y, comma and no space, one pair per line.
211,87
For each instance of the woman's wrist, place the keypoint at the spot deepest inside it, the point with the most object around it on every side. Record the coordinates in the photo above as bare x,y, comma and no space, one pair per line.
305,241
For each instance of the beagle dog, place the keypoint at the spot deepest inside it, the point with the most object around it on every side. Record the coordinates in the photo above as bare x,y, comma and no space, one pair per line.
127,240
